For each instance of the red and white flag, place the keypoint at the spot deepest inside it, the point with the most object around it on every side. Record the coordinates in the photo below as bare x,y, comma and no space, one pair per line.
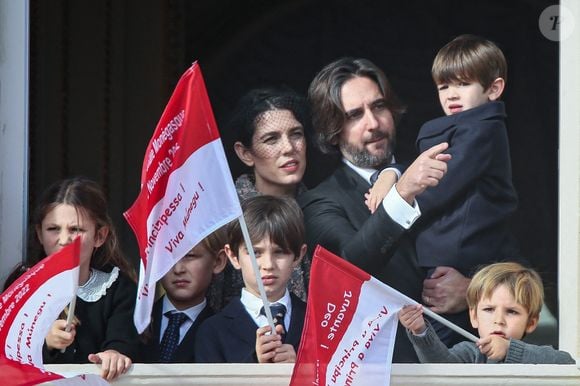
33,302
22,374
350,327
27,310
187,189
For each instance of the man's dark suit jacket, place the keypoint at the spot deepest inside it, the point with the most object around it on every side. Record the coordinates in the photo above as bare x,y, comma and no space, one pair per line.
230,335
337,218
185,352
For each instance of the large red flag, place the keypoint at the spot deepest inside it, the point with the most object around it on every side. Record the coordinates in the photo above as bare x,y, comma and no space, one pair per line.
350,327
187,190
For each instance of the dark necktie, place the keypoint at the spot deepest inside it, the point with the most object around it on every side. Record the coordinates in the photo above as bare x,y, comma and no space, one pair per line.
171,336
278,312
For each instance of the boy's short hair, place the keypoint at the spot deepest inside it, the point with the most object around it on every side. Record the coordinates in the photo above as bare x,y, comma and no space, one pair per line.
280,218
215,241
524,284
469,58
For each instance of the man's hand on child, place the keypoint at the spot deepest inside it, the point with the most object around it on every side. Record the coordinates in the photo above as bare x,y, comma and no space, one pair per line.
494,347
113,363
411,317
445,291
58,338
379,190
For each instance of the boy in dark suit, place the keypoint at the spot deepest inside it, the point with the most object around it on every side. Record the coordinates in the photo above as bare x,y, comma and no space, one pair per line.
464,222
178,314
240,332
465,218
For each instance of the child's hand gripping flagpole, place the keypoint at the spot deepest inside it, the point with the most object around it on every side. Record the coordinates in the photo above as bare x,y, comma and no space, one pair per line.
369,316
447,323
442,320
250,248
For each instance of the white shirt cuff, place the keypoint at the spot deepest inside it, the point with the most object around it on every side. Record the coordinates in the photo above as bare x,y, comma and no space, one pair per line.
397,172
400,210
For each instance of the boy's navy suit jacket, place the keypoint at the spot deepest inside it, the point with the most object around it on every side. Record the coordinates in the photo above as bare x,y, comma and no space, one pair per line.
230,335
185,352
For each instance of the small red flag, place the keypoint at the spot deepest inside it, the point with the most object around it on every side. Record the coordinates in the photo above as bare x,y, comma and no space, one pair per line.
350,327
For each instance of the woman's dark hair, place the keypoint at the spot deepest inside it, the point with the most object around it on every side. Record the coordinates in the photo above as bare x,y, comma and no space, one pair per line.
256,102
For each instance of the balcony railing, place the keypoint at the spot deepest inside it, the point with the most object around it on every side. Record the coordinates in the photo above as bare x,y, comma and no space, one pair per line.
279,374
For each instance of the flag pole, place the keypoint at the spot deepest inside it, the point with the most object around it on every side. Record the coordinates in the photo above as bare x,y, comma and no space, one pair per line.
70,316
438,317
449,324
71,307
250,248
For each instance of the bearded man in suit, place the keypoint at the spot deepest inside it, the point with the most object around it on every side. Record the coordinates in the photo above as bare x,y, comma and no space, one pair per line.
354,112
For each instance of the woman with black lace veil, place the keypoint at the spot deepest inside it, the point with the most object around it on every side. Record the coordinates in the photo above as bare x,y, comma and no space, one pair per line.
269,126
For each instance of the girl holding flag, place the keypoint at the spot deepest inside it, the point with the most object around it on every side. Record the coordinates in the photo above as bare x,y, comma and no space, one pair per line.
102,329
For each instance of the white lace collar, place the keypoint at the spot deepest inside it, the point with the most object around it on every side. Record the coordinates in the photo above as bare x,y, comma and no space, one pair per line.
97,285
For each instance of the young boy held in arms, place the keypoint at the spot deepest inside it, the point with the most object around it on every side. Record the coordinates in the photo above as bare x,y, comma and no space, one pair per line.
464,220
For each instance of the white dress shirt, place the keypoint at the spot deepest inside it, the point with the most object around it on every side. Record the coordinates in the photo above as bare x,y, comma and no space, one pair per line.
396,207
253,304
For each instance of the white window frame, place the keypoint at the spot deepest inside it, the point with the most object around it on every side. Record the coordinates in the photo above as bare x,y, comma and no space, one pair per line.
14,22
569,188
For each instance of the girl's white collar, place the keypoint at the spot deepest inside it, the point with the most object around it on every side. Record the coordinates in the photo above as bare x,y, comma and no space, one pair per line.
97,285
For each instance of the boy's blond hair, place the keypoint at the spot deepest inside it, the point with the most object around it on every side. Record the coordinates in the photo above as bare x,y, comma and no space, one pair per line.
524,284
469,58
215,241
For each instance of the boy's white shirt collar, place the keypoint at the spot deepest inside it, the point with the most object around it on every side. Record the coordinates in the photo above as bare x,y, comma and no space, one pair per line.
191,312
253,304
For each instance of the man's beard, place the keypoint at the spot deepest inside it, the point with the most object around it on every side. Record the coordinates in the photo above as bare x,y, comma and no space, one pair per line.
362,158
